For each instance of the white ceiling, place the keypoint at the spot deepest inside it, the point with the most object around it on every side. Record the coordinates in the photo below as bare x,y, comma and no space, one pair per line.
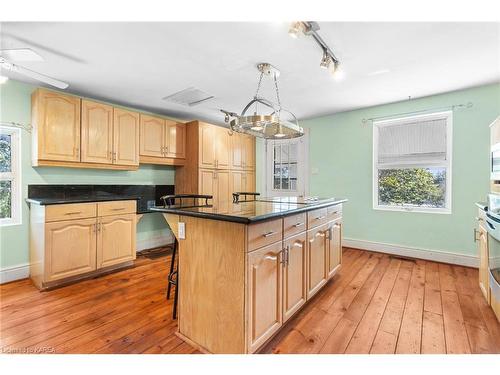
137,64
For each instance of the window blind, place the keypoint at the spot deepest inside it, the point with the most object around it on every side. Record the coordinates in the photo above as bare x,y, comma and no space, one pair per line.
412,142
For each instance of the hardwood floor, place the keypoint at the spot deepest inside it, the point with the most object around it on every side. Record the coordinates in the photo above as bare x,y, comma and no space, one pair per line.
376,304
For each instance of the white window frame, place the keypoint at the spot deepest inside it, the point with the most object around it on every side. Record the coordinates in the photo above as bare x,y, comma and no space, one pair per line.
446,164
14,176
302,167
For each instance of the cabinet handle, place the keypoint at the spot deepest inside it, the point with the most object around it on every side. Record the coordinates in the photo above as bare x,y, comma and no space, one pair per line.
73,213
77,150
298,225
118,209
479,219
476,235
270,257
321,234
114,156
269,234
95,228
111,155
320,217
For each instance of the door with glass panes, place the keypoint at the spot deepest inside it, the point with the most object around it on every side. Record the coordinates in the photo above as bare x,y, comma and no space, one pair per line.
285,167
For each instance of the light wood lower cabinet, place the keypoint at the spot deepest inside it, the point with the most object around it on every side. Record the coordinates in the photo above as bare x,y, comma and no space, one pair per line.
63,250
264,294
495,305
334,247
481,237
317,257
116,240
294,275
70,247
234,304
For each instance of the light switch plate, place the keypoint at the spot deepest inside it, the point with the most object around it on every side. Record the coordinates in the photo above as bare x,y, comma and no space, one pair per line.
181,231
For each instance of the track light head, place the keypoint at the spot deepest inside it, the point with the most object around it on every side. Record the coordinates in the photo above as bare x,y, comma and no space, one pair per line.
326,60
296,28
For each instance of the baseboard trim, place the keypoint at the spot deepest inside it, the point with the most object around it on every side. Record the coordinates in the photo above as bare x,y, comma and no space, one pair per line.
412,252
151,243
13,273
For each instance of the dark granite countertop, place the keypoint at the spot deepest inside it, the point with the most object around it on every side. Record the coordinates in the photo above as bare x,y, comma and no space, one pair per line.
482,205
253,211
82,199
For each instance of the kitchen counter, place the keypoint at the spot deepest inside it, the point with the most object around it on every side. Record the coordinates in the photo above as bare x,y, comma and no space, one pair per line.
482,205
247,212
146,196
246,268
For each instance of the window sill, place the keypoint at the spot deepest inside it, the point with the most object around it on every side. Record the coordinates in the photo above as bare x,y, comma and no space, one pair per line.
441,211
10,223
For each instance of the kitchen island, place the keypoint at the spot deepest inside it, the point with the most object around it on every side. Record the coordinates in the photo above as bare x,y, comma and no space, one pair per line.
245,270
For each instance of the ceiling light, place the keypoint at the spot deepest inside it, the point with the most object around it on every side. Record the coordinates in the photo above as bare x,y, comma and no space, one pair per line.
267,121
295,29
325,60
3,79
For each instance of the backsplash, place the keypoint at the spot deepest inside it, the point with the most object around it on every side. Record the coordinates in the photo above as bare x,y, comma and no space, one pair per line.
149,195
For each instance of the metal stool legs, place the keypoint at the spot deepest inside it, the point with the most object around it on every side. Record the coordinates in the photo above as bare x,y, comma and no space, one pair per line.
173,279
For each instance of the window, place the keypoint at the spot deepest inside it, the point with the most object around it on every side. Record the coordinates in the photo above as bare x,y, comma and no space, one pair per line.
9,176
412,163
285,166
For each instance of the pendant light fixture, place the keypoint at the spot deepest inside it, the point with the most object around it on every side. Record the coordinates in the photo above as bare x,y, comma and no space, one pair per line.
267,119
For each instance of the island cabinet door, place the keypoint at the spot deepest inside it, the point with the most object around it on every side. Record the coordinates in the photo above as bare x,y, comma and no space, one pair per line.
294,275
264,285
97,132
317,259
334,247
70,248
116,239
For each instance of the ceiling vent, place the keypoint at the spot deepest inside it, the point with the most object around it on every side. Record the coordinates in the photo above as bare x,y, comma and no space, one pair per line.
189,97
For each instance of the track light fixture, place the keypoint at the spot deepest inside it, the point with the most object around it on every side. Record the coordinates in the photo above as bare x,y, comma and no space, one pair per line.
328,60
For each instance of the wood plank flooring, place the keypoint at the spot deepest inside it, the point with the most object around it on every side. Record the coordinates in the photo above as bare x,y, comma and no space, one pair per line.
376,304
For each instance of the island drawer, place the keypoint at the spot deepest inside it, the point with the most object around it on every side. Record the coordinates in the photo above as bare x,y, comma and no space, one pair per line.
317,217
116,208
294,224
334,212
265,233
70,211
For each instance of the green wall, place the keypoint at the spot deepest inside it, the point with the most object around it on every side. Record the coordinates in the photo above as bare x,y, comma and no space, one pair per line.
15,106
341,149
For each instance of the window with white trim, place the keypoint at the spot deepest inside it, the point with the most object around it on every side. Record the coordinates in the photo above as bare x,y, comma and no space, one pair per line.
10,194
412,163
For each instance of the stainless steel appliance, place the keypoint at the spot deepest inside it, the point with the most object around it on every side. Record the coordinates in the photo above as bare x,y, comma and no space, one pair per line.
493,227
495,162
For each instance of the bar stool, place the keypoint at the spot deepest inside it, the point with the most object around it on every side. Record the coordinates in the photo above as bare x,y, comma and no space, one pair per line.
173,279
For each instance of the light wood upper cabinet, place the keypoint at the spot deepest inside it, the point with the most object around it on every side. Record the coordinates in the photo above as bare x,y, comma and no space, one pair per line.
236,151
249,182
125,137
175,139
152,134
97,132
116,240
317,254
334,247
294,275
264,294
222,148
56,123
207,155
248,152
70,248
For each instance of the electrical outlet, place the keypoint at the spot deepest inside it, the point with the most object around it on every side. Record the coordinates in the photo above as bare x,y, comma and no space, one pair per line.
314,170
181,231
